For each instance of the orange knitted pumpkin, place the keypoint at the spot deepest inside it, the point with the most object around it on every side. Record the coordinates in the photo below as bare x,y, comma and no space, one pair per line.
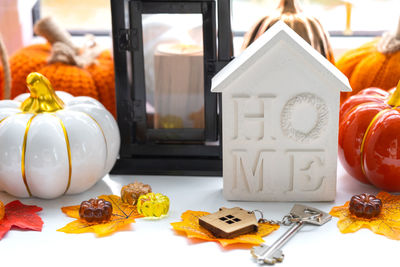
374,64
94,78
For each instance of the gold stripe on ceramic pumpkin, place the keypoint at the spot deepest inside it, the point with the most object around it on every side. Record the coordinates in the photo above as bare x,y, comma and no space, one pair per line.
308,27
23,157
68,151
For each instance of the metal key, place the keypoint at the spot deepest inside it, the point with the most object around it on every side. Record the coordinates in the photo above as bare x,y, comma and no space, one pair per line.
299,215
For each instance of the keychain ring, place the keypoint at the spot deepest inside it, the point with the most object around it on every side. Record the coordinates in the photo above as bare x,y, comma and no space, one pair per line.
263,220
261,215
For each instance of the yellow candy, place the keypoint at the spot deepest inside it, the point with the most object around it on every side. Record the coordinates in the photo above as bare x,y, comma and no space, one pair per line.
153,205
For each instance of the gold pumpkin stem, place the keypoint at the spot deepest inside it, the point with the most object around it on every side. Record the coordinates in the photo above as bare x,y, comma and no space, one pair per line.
289,6
43,98
394,100
398,31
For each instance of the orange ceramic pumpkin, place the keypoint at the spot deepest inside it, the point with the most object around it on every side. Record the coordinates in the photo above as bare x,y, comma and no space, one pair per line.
95,79
374,64
369,137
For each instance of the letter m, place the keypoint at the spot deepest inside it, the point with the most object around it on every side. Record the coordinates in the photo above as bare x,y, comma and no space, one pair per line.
249,174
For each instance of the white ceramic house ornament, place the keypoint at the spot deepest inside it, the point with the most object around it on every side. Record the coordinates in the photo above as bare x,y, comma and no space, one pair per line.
280,102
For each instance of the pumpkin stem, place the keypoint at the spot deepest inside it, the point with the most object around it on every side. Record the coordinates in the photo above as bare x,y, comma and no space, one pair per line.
289,6
390,42
49,29
394,100
63,49
43,98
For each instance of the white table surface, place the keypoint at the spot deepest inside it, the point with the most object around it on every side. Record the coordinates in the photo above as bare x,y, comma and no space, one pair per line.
154,243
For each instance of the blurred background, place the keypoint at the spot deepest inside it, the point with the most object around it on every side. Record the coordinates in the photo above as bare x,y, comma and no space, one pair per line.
368,17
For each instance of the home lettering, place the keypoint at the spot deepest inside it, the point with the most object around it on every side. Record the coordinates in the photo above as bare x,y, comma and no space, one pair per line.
256,169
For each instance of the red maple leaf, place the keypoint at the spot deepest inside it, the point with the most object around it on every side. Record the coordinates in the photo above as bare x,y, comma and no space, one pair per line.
21,216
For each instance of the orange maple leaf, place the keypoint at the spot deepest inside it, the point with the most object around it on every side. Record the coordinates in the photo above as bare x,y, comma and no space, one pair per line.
123,214
190,226
387,223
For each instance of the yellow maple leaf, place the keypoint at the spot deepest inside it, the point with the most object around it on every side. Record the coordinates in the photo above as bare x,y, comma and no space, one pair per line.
123,214
387,223
190,226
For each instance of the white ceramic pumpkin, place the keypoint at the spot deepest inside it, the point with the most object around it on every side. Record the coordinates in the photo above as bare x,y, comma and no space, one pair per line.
53,143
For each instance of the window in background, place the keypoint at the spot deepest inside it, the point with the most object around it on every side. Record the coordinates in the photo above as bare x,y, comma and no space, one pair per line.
79,16
368,17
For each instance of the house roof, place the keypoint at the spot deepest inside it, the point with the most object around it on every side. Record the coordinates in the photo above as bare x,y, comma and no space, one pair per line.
261,46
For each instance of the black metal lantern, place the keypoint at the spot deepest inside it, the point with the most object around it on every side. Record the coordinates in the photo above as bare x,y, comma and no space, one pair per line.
168,125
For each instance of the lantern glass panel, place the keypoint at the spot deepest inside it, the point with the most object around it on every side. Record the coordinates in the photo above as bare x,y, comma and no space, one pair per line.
174,70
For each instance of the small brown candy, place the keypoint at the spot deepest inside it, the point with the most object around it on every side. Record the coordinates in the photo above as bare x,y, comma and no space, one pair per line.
365,206
130,193
95,210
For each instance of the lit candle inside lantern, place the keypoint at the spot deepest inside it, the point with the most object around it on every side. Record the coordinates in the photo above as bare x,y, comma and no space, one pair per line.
179,86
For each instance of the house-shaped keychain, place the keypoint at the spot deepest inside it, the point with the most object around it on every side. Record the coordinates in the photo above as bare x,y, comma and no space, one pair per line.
229,223
280,116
